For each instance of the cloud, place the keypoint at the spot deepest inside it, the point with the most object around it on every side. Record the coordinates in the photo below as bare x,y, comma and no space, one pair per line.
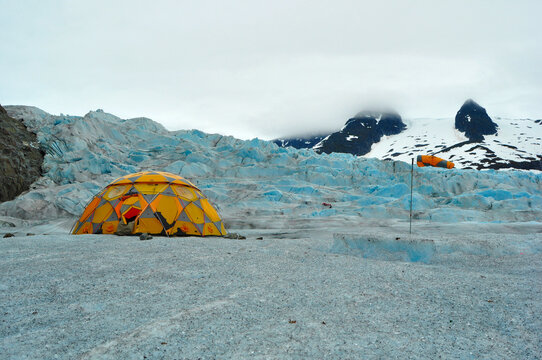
266,69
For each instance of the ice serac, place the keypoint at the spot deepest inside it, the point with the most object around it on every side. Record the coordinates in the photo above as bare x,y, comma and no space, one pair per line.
20,157
473,120
361,132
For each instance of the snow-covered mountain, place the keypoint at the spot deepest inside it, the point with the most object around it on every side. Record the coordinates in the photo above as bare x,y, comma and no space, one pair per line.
257,183
361,132
472,140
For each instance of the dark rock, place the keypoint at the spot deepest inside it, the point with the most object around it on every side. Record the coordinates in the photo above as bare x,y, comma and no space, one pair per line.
473,120
234,236
20,157
6,224
361,132
8,235
300,142
145,236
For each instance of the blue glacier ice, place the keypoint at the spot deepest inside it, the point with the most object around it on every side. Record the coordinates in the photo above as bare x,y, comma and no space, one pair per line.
84,154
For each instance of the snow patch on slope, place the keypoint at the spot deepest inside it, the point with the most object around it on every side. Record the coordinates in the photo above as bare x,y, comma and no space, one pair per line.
516,140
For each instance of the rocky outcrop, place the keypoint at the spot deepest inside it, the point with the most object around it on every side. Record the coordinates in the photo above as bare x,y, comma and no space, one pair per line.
361,132
20,157
473,120
300,142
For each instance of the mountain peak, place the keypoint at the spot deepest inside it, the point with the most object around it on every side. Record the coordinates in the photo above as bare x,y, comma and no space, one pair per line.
361,132
473,120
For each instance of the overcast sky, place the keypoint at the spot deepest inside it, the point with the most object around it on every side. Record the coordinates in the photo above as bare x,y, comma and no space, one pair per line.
271,68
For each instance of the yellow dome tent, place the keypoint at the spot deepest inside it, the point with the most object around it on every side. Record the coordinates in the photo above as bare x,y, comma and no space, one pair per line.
150,202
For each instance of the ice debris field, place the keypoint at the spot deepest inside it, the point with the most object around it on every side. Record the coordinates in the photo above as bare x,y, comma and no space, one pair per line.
310,281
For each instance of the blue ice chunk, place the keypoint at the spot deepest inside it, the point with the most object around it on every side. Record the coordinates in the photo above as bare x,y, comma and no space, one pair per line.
195,170
374,212
522,194
471,201
372,247
65,191
126,169
372,200
303,190
324,213
451,215
273,195
419,202
251,154
137,156
394,190
175,167
497,194
197,157
90,186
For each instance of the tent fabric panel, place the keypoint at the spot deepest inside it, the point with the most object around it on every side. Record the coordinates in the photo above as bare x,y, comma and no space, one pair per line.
109,227
113,216
184,228
148,213
183,182
194,213
147,189
102,213
169,179
122,181
200,228
147,199
210,230
149,225
197,202
154,201
151,178
114,203
86,228
116,191
184,192
76,227
131,213
168,191
183,217
90,209
132,200
168,206
184,203
96,228
209,210
220,225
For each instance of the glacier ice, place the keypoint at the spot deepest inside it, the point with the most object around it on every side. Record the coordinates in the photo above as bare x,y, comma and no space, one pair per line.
84,154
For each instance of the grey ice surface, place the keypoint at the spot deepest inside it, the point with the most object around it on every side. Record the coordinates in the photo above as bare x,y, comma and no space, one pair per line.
294,294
